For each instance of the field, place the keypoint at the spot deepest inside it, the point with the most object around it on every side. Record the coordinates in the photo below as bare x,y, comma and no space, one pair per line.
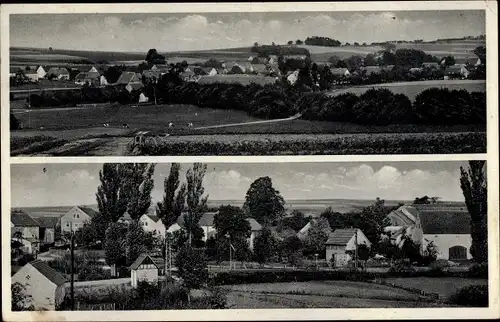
445,287
324,294
412,89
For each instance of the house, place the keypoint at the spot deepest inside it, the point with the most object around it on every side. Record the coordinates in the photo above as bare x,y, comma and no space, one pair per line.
430,65
478,62
152,223
260,69
457,71
76,218
125,219
387,68
343,241
259,60
29,245
293,77
414,70
206,223
237,69
44,284
143,98
237,79
340,72
87,78
128,77
103,81
404,221
189,76
255,229
93,70
209,71
146,268
151,74
368,70
58,73
448,228
23,225
41,72
302,234
133,87
48,229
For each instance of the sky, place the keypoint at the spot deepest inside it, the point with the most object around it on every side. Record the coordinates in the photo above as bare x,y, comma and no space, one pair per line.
76,184
195,31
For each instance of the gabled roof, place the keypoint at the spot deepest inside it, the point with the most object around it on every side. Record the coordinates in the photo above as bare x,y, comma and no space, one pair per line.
254,225
135,86
143,259
153,217
48,222
127,77
89,211
259,68
207,219
455,69
447,220
58,71
21,219
339,71
87,75
341,237
371,69
151,73
47,271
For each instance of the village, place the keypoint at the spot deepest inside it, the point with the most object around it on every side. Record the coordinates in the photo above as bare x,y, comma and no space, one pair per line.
58,256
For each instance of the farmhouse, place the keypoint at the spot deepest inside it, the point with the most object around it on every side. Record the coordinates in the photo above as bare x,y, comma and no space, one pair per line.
206,223
87,78
414,70
449,230
146,268
48,229
128,77
404,221
255,229
45,285
430,65
236,69
259,60
152,223
293,77
340,72
343,241
189,76
457,71
23,225
58,73
76,218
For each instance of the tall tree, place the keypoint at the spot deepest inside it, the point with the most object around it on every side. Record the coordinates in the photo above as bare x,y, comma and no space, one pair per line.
114,244
264,203
474,188
232,226
111,195
317,235
174,198
264,246
138,183
192,266
196,202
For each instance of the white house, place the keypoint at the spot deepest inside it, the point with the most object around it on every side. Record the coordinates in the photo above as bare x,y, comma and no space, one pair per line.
103,81
146,268
45,285
457,71
206,223
143,98
404,221
255,229
47,229
23,225
341,241
58,73
93,70
41,72
293,77
76,218
152,223
340,72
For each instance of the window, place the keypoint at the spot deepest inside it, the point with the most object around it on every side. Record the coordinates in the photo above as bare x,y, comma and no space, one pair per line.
457,253
76,216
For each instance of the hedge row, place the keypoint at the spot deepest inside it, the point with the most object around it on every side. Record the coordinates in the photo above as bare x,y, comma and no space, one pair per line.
383,107
258,276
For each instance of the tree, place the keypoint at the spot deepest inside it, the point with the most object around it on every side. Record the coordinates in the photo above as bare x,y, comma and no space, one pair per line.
290,42
20,300
449,61
264,203
153,57
317,235
114,245
192,267
334,60
264,246
295,221
354,62
256,44
174,198
474,188
232,226
14,122
480,52
196,203
299,42
292,249
135,242
138,182
111,194
370,60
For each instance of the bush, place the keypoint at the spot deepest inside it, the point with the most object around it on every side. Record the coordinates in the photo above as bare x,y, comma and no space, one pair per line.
14,122
472,295
479,270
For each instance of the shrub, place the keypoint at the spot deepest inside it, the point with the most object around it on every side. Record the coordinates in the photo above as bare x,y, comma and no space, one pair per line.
479,270
472,295
14,122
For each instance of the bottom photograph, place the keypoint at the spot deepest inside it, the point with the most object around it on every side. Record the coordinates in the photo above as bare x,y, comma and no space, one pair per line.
144,236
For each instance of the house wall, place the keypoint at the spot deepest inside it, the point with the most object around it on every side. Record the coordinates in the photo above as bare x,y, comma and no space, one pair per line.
145,272
251,239
75,218
49,237
206,231
32,77
42,290
341,258
445,241
41,72
150,226
27,232
63,77
351,245
60,292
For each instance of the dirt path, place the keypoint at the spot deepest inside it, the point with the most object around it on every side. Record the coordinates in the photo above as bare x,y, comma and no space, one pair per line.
291,118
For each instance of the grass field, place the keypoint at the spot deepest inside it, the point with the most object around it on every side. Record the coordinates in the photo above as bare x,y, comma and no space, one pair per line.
324,294
412,89
444,286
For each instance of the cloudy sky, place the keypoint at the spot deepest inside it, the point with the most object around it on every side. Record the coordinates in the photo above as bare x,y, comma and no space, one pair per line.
74,184
173,32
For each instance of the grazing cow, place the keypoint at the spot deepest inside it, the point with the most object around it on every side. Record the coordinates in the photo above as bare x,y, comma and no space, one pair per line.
125,125
170,124
190,124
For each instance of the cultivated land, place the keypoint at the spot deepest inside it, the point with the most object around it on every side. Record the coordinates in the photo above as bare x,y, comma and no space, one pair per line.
412,89
322,294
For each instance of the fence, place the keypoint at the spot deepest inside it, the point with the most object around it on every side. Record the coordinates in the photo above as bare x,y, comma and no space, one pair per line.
95,307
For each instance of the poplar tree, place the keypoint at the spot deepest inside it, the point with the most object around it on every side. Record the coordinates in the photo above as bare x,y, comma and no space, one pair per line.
174,197
196,203
138,183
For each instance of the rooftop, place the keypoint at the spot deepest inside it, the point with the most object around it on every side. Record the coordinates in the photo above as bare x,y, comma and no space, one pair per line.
47,271
341,237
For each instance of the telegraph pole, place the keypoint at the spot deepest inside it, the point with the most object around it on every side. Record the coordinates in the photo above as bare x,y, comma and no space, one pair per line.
72,269
356,250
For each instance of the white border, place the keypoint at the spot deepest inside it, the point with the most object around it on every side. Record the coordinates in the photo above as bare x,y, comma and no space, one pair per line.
493,311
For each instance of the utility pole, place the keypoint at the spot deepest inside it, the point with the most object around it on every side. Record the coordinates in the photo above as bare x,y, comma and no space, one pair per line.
72,269
356,250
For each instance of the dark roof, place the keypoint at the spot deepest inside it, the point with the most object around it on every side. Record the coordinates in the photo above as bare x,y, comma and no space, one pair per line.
47,271
339,71
127,77
21,219
206,220
237,79
340,237
89,211
153,217
454,69
143,259
86,75
371,69
48,222
58,71
444,220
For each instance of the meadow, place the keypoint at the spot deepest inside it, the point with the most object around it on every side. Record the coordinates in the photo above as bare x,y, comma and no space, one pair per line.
412,89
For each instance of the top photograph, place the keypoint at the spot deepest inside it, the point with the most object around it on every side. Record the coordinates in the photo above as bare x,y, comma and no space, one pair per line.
248,83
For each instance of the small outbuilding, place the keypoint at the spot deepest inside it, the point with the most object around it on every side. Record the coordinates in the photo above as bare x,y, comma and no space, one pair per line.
146,268
343,241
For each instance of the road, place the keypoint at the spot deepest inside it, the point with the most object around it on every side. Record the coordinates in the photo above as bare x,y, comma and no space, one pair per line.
291,118
19,91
